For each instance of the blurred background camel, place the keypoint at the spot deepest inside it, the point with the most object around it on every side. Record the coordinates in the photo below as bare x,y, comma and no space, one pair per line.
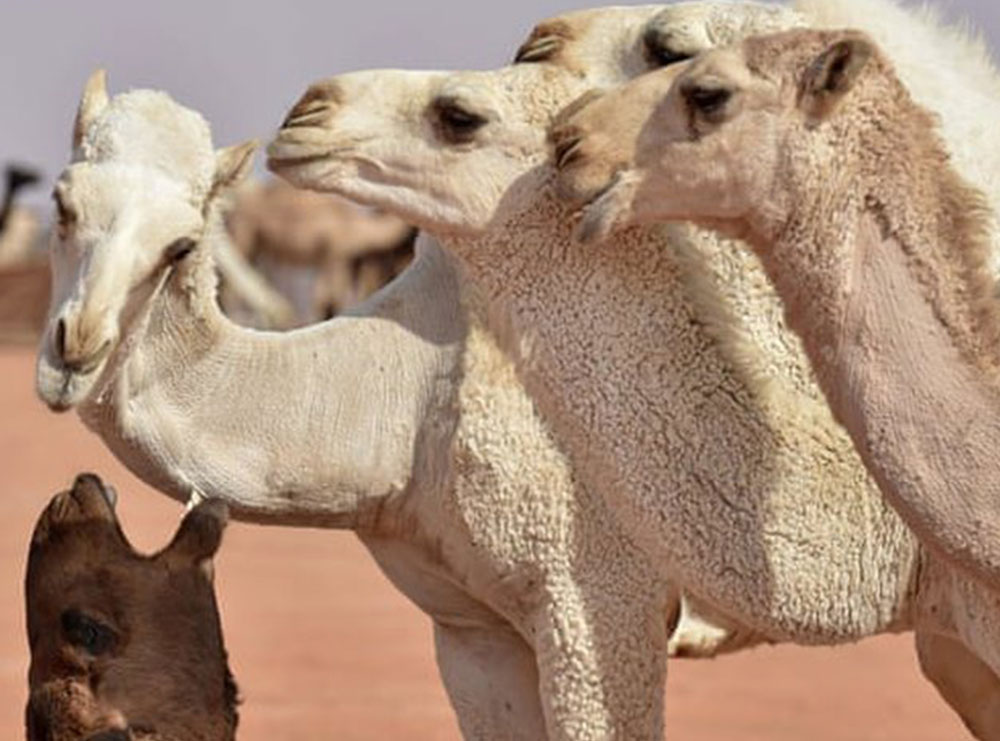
24,269
324,253
294,257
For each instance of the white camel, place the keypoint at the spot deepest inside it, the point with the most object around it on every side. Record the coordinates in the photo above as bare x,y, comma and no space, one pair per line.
402,421
674,383
880,251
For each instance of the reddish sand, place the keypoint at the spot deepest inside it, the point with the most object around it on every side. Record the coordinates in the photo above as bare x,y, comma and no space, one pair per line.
323,647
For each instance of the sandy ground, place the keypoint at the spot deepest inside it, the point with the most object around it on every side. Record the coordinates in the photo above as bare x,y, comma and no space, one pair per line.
324,647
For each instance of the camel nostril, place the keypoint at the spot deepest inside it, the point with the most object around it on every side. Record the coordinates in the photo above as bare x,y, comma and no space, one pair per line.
567,147
60,339
312,107
305,116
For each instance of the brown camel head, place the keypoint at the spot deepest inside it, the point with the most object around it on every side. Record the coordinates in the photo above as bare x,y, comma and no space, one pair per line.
124,646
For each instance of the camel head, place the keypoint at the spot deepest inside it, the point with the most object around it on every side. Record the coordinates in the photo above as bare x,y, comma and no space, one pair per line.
130,207
443,149
732,141
124,646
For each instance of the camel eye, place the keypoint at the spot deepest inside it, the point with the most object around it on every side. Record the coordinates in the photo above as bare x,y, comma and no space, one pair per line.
660,51
180,248
709,102
456,122
87,633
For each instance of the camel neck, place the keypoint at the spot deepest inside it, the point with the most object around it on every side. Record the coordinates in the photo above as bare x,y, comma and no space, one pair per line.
625,368
889,324
313,426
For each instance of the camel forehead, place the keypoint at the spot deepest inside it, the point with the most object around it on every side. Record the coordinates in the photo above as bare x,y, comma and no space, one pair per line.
529,92
597,25
712,24
107,194
380,85
720,66
149,127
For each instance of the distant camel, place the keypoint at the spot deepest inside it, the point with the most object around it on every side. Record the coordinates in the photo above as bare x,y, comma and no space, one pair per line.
19,228
354,251
124,647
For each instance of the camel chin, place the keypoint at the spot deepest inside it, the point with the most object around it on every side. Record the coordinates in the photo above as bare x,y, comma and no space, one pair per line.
62,389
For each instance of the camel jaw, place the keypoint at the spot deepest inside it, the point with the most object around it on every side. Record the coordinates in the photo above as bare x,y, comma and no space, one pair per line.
62,388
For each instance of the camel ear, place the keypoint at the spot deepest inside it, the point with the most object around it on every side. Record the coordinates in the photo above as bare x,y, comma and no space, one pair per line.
233,164
832,75
199,535
94,100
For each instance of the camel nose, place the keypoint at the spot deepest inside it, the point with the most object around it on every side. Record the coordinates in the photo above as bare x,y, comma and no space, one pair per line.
75,346
566,145
313,108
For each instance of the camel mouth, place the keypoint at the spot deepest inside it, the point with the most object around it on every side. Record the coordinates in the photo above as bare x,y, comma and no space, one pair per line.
590,198
603,209
62,388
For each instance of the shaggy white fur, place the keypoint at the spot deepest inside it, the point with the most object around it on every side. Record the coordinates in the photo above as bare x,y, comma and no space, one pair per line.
704,430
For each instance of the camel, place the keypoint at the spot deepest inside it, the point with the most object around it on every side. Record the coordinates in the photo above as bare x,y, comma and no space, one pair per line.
353,251
124,647
821,160
669,375
19,229
24,272
401,420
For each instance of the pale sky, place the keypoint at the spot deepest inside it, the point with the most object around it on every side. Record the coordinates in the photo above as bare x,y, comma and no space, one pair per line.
243,63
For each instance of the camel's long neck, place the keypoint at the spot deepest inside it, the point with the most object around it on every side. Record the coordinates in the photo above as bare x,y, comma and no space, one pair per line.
656,417
892,338
317,426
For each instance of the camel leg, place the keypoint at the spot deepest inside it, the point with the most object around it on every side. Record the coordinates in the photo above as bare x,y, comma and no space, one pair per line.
602,665
967,684
490,676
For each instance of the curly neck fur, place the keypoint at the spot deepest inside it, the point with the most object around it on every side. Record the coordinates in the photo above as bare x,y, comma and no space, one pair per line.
661,408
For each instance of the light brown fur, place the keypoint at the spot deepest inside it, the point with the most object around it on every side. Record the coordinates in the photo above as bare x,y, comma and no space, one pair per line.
815,154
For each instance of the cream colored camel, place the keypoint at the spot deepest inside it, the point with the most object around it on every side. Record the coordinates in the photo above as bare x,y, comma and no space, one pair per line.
807,145
353,251
674,384
824,185
402,421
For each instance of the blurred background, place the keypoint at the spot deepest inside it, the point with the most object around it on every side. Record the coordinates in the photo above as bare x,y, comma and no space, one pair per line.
243,63
322,645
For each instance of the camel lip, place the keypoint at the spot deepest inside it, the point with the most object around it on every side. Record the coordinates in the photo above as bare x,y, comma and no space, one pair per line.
60,400
591,200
